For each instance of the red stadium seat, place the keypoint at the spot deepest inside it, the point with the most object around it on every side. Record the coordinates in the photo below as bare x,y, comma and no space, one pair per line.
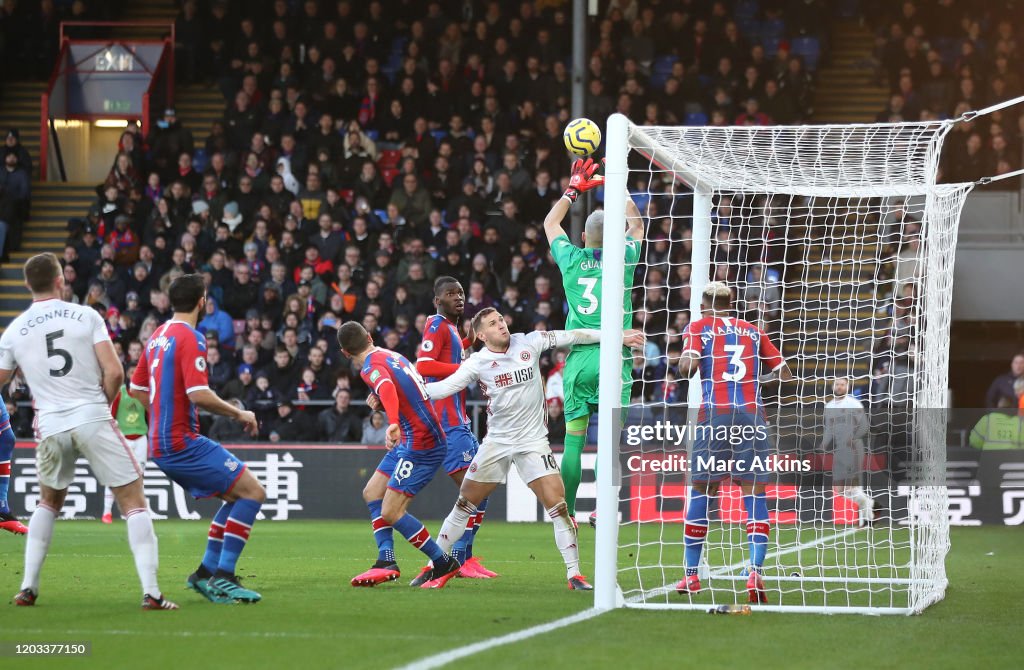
389,158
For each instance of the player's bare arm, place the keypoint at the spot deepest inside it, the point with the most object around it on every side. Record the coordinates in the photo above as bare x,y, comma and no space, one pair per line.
110,367
634,222
582,180
208,400
6,376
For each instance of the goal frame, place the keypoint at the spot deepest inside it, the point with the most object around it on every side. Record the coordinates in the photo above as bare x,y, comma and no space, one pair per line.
622,136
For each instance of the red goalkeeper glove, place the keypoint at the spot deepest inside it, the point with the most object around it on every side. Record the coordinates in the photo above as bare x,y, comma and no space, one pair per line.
583,178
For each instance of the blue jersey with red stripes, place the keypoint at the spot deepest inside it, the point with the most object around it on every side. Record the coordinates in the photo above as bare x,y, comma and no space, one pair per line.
173,364
421,427
732,353
441,342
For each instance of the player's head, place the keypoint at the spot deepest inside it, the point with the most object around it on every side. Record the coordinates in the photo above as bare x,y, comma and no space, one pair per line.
187,294
449,297
490,327
43,274
593,230
716,297
353,339
841,386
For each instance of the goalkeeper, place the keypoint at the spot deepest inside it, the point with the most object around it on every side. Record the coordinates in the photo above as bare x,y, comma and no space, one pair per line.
581,280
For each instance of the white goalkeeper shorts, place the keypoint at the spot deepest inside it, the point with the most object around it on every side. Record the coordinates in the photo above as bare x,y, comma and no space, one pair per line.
848,463
100,442
492,462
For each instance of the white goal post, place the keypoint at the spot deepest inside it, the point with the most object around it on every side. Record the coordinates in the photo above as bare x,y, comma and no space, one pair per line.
853,242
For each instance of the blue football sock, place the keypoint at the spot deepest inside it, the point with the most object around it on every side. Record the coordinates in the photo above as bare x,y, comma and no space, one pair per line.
215,538
236,533
6,451
418,536
383,534
477,521
757,528
695,530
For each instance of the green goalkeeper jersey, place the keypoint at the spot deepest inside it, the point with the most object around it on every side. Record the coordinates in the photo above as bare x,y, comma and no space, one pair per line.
581,278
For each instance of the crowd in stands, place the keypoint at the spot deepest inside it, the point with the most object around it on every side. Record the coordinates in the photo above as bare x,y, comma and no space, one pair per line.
367,148
943,58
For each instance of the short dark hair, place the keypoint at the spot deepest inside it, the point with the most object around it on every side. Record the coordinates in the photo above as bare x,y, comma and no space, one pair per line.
352,337
478,319
186,291
441,283
41,271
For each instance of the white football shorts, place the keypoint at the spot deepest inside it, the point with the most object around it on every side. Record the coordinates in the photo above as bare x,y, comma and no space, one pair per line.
101,443
493,461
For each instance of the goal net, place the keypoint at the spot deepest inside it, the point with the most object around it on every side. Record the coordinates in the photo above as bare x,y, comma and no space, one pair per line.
838,244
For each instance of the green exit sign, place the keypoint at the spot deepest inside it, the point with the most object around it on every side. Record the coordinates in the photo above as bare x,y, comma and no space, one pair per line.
117,106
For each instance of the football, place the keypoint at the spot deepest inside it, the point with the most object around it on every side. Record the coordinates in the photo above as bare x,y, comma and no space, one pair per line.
582,137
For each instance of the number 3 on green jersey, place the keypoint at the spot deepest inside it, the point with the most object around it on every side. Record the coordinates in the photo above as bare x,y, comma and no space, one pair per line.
581,279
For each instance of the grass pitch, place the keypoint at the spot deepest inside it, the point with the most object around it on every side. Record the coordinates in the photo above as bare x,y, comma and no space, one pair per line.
312,618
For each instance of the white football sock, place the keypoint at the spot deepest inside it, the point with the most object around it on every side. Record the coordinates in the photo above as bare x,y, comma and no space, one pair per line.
565,539
455,525
37,544
108,500
143,542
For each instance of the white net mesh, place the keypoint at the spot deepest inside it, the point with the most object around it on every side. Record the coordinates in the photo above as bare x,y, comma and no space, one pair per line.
838,244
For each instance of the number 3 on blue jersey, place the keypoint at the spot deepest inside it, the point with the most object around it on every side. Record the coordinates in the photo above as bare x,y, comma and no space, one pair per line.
736,365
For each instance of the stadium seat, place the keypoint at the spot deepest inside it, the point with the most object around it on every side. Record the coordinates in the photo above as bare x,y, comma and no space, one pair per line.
200,160
388,175
749,28
371,133
746,9
641,199
398,44
696,119
389,158
663,64
381,214
438,135
808,48
771,46
347,194
772,28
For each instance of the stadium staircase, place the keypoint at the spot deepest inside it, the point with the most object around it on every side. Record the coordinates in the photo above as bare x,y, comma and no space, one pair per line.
829,309
20,109
198,106
53,203
148,11
846,88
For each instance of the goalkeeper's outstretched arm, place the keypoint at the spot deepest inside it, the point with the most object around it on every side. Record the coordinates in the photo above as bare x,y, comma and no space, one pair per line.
582,180
634,222
563,338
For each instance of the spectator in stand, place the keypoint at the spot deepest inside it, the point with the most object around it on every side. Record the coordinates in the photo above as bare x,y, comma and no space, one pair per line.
374,429
167,141
340,423
13,145
1000,392
289,425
